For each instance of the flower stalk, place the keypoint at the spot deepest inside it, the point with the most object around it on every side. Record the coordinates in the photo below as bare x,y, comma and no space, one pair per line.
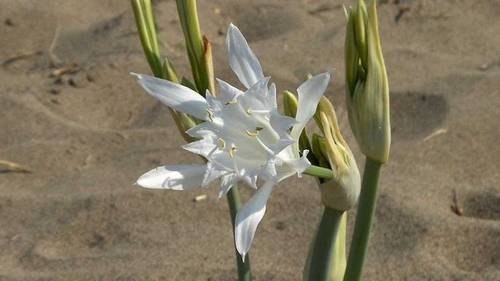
319,172
198,48
326,263
338,194
144,18
200,56
234,202
367,90
364,217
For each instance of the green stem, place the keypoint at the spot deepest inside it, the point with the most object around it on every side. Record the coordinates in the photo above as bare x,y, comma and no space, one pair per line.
320,172
233,199
188,16
324,251
364,216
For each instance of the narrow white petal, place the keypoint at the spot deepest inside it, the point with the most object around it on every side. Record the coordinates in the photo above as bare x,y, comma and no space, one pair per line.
272,96
259,90
294,166
281,123
281,144
227,92
249,217
250,178
269,172
242,60
175,177
213,103
202,147
310,93
201,131
174,95
255,98
227,182
212,173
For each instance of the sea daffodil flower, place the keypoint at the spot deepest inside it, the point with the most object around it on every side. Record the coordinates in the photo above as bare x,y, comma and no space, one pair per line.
243,137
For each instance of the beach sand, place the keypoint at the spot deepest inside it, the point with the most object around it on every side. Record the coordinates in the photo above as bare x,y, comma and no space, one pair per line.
88,134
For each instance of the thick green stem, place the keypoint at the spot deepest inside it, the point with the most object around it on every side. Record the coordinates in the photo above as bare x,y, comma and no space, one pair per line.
233,199
324,250
364,216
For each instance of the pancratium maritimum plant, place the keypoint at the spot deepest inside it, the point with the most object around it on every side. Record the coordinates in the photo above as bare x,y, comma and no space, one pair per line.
242,135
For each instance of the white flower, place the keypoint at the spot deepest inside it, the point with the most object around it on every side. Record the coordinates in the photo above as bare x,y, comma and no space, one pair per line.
243,136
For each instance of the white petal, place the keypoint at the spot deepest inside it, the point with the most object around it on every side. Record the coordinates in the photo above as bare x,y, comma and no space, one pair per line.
269,172
227,182
202,130
213,103
242,60
175,177
174,95
250,178
227,92
202,147
249,217
272,96
259,90
294,166
281,123
256,97
310,93
281,144
212,173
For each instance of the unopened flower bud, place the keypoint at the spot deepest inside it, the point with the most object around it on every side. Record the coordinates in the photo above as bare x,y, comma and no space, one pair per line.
341,192
290,104
367,86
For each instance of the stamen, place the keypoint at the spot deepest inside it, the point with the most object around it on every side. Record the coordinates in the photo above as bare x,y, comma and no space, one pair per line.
231,102
210,115
232,151
221,143
252,134
263,111
256,133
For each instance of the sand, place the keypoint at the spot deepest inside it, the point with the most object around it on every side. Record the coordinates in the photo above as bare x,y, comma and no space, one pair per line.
88,134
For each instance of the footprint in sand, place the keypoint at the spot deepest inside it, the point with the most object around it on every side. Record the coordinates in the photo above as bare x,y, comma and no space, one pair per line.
416,115
260,22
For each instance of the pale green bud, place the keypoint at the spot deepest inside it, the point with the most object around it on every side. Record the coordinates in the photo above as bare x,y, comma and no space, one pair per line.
169,71
208,65
341,192
183,123
318,145
290,104
367,86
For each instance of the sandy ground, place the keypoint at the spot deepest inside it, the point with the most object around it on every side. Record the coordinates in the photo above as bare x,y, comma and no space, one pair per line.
88,134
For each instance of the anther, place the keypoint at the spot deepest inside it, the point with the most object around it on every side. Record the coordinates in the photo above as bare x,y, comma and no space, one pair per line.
221,143
231,102
232,151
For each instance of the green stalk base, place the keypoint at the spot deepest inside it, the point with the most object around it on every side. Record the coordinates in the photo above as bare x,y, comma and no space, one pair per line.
323,251
233,199
364,217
